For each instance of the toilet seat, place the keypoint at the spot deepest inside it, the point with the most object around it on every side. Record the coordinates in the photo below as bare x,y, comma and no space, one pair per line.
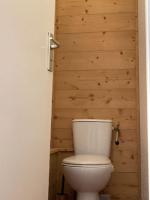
87,161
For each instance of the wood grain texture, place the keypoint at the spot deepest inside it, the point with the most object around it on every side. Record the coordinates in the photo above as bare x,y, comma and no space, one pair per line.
80,7
96,79
66,123
127,114
101,41
96,76
117,98
120,189
95,60
101,22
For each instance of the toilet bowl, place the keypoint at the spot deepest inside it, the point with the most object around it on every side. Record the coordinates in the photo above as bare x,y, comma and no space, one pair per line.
89,170
87,174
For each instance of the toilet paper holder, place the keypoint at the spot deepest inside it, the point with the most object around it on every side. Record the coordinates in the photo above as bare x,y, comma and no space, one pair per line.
116,130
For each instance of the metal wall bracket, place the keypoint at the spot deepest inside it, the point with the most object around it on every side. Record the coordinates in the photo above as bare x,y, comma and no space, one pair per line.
116,130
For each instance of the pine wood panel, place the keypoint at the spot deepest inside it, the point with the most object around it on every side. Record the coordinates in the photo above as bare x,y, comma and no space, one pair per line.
104,41
125,160
102,22
63,143
96,76
120,189
115,74
96,99
80,7
67,123
127,114
95,60
95,80
94,85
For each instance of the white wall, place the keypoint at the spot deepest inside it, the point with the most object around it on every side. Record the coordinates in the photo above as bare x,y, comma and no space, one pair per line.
144,96
25,98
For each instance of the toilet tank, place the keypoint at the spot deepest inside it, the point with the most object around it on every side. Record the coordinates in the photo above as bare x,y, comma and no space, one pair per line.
92,136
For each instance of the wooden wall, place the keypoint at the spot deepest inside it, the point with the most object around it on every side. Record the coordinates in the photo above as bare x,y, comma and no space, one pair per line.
96,77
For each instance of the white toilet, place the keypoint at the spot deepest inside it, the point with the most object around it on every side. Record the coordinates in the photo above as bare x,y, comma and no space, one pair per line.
89,170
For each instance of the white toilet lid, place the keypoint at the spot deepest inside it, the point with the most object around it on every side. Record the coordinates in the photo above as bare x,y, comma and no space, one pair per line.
87,160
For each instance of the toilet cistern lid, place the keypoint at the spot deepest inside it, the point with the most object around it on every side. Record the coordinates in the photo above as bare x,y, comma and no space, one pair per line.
87,160
92,120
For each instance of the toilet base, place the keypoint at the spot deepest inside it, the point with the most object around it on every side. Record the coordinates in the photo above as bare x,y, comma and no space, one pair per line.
88,196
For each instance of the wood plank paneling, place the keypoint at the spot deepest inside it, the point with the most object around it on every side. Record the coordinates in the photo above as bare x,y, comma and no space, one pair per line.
94,85
127,114
67,123
104,41
95,80
120,189
80,7
102,22
96,99
95,60
107,74
96,76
